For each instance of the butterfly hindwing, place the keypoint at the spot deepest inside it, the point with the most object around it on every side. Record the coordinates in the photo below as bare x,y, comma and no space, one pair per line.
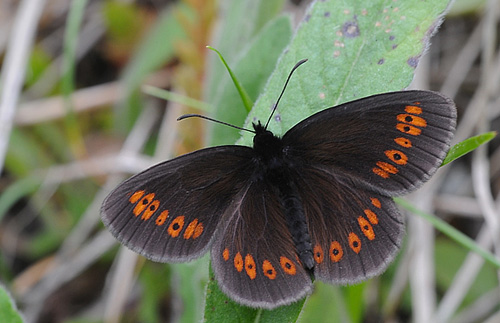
171,211
254,257
392,142
355,233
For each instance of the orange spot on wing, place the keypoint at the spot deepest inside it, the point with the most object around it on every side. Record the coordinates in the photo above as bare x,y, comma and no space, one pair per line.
174,229
413,109
366,228
143,204
354,242
388,168
318,253
190,229
238,262
198,230
160,220
136,196
372,217
225,254
413,120
376,202
408,129
250,266
403,142
151,209
336,251
288,266
380,172
268,269
397,156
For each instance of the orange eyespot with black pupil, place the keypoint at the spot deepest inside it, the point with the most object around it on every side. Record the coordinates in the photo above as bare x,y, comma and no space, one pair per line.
162,218
150,210
354,242
318,253
143,204
403,142
413,120
397,157
174,229
336,252
288,266
408,129
238,262
250,266
366,228
268,269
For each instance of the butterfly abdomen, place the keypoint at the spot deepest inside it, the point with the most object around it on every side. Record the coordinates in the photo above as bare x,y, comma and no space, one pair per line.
297,225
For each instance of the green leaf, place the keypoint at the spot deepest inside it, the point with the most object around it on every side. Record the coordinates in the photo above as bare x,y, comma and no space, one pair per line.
355,49
467,146
8,311
220,308
326,304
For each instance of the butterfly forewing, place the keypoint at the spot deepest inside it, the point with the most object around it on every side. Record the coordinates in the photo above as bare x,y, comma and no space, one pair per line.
171,211
392,142
254,257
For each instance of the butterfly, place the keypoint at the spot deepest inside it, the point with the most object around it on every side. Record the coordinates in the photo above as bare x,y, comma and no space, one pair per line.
313,204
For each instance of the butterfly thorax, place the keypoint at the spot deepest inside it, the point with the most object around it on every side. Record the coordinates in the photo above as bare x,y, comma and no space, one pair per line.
266,145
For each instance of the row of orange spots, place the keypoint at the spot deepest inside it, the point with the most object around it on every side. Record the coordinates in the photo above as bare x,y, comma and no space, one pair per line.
146,206
409,123
336,252
248,264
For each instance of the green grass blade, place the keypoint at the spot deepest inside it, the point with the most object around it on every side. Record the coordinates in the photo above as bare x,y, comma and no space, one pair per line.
256,62
176,97
451,232
467,146
247,101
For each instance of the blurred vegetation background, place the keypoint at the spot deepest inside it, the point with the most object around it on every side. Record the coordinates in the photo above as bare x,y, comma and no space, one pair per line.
75,120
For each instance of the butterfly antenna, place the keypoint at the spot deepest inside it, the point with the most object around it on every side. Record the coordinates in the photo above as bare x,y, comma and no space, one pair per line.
283,91
190,115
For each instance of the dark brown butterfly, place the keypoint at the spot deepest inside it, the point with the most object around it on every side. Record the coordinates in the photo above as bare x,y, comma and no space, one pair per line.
316,203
